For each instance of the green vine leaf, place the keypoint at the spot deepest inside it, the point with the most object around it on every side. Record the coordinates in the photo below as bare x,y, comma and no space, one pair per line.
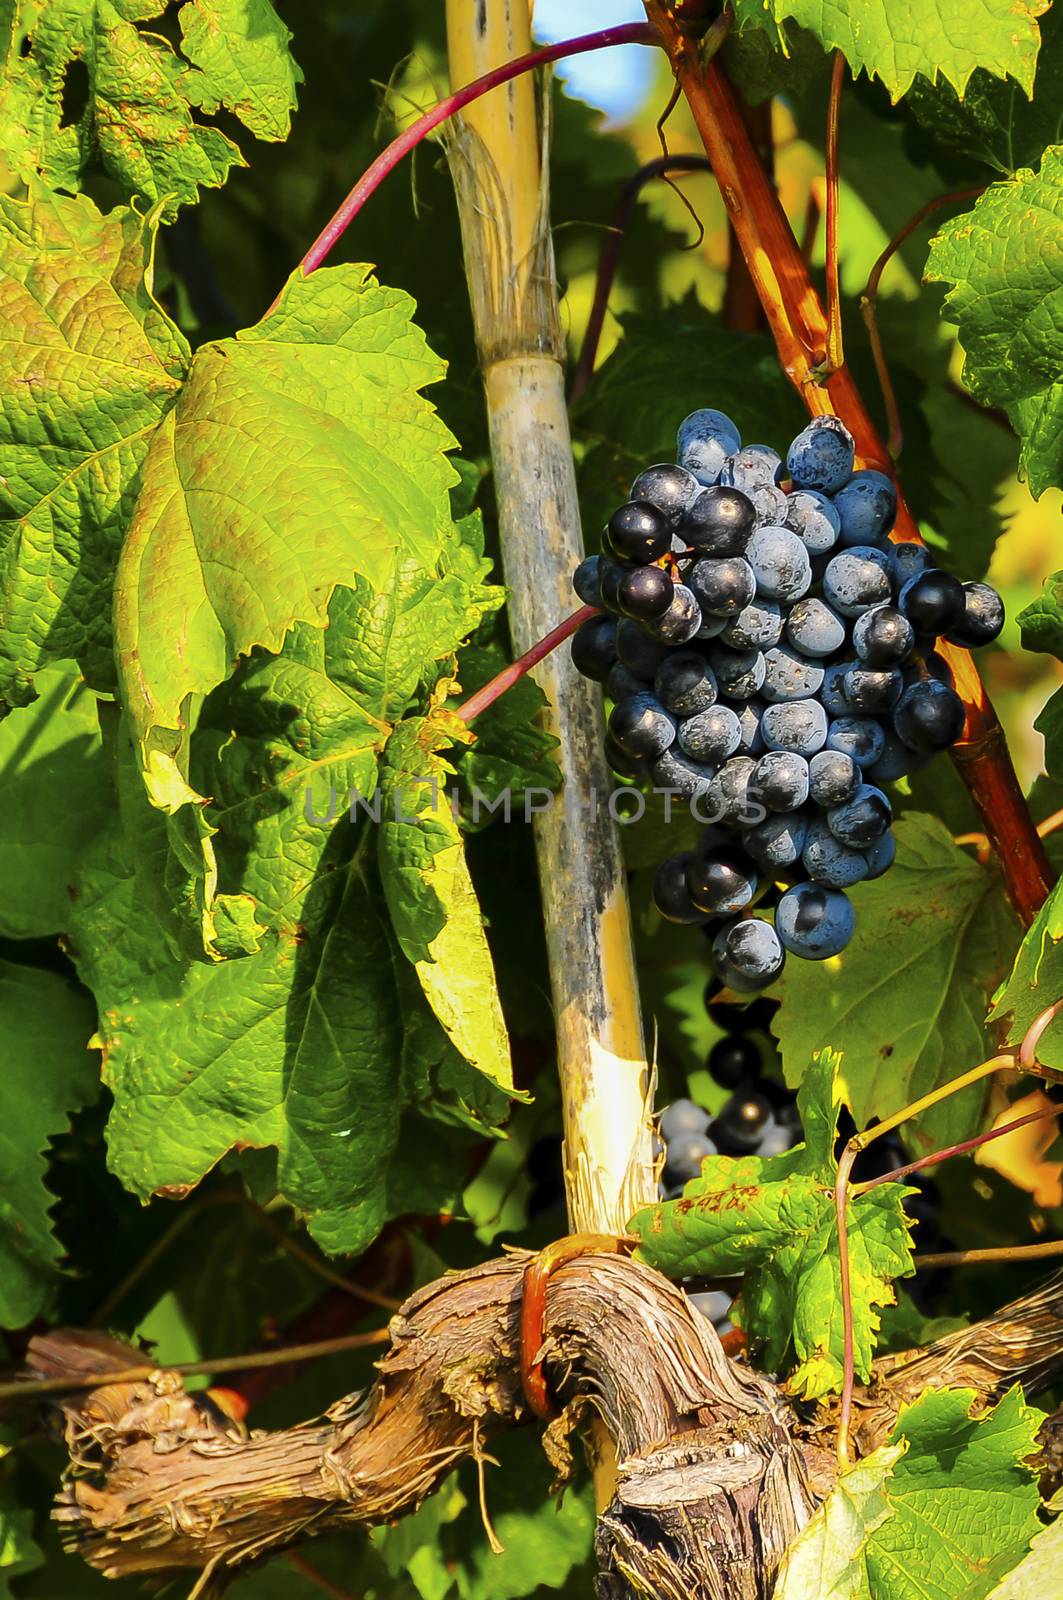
298,454
963,1498
1038,1572
1004,260
828,1558
1042,629
909,994
87,372
896,39
137,119
49,1072
772,1219
1036,982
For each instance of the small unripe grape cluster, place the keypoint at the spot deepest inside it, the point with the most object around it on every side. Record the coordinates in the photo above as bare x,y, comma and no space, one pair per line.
770,655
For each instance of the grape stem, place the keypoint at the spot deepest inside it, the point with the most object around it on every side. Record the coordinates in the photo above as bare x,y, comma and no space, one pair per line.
496,687
1011,1252
895,438
799,328
403,143
609,259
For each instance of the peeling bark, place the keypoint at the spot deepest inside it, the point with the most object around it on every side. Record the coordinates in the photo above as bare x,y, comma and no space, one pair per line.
716,1472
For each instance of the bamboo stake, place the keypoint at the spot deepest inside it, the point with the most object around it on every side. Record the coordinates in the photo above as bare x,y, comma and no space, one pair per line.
497,159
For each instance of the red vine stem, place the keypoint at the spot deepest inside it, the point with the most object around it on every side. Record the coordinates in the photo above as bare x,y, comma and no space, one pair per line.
835,352
799,328
389,158
497,686
895,440
961,1149
609,259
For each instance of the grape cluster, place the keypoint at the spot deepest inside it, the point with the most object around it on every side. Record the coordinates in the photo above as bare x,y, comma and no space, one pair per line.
771,659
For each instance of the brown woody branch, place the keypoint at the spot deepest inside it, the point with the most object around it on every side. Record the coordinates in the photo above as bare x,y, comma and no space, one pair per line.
716,1472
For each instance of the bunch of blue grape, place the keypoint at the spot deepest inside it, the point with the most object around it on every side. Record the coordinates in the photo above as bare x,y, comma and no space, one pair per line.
770,655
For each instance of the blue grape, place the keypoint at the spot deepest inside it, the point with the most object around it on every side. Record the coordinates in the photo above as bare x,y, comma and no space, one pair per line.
668,487
821,457
685,1154
739,673
861,821
724,585
622,683
881,856
833,778
681,1117
594,648
645,593
769,505
827,860
711,736
722,882
747,955
814,628
742,1121
982,619
705,439
780,564
791,676
798,725
587,580
872,691
813,518
779,840
933,601
857,579
780,778
814,921
867,506
685,683
757,627
642,727
753,464
883,637
832,690
638,531
718,522
638,652
681,621
929,716
907,561
712,1304
728,798
860,737
670,892
675,771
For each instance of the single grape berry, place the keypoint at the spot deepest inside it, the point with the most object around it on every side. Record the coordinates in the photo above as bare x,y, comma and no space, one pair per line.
734,1059
638,531
594,648
719,522
710,736
929,716
827,860
681,621
753,464
685,684
757,627
867,506
832,691
860,737
645,593
778,841
861,821
723,882
620,762
780,780
587,580
788,675
814,922
712,1304
814,519
704,441
814,628
983,617
933,601
872,691
668,487
728,797
747,954
724,586
798,725
857,579
780,564
907,561
821,457
642,727
739,673
769,505
883,637
741,1122
833,778
681,1117
676,771
670,894
684,1157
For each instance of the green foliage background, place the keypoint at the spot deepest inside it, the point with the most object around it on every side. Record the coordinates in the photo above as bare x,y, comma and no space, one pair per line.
243,1034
